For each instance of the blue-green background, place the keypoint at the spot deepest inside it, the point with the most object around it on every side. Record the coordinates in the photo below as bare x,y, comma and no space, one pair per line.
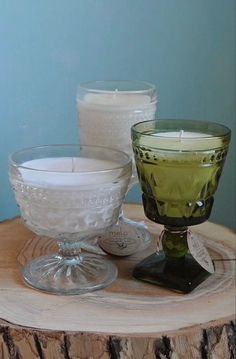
185,47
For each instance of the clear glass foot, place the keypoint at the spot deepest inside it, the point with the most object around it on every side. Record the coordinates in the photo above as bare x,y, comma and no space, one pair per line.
70,275
125,238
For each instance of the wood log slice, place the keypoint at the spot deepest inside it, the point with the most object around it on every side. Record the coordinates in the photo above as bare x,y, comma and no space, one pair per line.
129,319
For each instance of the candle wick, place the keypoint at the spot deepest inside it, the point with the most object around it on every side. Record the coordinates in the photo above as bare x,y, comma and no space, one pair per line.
115,93
181,133
73,164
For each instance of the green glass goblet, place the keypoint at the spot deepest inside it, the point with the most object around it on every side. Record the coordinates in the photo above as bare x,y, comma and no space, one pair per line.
179,164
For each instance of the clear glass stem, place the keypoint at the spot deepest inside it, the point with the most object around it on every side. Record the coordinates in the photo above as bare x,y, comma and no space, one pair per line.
69,249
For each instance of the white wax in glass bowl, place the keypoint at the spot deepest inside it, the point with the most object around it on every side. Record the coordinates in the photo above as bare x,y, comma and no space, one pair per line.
69,172
69,195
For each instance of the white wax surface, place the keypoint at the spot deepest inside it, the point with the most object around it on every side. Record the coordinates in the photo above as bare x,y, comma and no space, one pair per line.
181,141
68,172
114,99
182,134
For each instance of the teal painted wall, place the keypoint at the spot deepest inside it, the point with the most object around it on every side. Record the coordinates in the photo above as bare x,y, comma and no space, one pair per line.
185,47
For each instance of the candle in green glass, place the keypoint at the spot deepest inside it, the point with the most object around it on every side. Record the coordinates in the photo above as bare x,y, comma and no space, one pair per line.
179,163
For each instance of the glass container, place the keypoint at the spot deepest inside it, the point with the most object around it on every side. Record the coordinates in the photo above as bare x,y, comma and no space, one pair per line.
179,164
69,193
107,110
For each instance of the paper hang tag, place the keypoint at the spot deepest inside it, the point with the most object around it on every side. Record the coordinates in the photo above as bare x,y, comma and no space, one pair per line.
121,240
159,242
200,253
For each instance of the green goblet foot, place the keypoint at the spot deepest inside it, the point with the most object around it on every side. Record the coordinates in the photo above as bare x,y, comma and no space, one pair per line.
174,267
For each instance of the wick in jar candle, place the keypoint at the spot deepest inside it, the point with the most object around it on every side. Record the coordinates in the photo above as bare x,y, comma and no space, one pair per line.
181,134
114,94
73,164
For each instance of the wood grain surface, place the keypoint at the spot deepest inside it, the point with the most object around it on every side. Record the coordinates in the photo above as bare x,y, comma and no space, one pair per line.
129,319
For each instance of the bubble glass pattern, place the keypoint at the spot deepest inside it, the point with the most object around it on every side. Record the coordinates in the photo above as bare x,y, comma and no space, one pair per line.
68,193
107,110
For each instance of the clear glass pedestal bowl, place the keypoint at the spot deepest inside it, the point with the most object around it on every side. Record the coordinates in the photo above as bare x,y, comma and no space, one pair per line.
107,110
69,193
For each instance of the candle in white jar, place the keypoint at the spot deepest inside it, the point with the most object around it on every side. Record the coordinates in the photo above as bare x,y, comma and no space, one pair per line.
116,100
105,118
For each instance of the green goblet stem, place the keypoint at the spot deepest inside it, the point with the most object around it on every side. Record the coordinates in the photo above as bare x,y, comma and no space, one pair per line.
174,241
